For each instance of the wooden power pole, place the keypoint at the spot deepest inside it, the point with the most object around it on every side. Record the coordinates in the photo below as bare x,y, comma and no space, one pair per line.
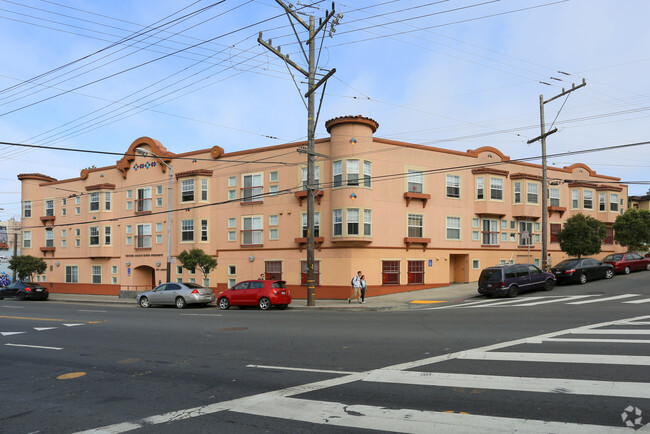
312,85
542,138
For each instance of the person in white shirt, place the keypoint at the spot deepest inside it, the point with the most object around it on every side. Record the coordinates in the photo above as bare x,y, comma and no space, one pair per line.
356,288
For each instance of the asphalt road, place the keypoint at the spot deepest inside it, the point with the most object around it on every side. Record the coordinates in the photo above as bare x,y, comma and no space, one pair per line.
575,359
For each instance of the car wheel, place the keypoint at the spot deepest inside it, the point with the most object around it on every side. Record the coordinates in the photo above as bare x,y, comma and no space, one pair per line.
180,303
144,302
549,285
647,267
20,296
224,304
264,303
583,278
609,274
627,270
513,291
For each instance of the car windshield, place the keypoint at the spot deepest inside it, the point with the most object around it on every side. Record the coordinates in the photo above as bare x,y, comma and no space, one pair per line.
491,275
567,263
613,258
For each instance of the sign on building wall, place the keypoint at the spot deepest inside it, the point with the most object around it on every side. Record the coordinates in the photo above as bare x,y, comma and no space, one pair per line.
4,240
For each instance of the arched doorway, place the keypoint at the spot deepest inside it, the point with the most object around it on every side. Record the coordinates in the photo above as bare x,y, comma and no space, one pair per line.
144,277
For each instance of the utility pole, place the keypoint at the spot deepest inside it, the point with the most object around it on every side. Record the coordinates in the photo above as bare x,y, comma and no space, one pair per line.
310,74
542,138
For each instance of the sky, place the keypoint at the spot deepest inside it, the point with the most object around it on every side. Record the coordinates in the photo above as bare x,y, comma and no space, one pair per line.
456,74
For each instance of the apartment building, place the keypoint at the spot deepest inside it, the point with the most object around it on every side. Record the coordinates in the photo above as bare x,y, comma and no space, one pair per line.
409,216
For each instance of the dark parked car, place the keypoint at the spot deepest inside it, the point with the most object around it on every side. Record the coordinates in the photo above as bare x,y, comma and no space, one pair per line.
512,279
582,269
262,293
626,262
178,294
25,291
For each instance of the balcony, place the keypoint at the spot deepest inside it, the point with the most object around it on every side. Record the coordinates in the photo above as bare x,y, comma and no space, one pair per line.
251,195
302,195
47,250
302,242
417,196
558,209
424,242
48,219
143,242
143,206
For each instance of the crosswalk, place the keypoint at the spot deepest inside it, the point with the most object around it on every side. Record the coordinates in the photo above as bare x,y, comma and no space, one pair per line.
573,300
613,405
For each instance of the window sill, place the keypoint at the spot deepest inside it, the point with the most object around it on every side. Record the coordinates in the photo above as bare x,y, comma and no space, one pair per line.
254,202
251,245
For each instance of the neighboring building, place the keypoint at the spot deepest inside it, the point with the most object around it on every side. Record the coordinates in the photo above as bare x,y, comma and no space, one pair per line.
10,242
639,202
409,216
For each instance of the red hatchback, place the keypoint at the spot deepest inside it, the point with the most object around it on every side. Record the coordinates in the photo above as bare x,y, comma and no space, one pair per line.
626,262
262,293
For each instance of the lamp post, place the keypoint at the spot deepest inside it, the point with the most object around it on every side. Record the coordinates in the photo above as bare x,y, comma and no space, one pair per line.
146,153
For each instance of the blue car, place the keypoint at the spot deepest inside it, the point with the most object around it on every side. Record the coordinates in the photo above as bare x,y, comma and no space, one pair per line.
511,279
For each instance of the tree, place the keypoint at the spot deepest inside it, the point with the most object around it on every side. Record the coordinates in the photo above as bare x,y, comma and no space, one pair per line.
632,229
25,266
197,259
582,235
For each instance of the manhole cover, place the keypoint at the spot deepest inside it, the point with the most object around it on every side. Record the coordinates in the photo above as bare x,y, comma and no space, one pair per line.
233,329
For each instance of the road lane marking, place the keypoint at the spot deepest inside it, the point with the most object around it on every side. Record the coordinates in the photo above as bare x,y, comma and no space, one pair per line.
427,301
645,300
287,368
599,359
87,310
598,300
34,346
201,314
502,302
72,325
71,375
40,329
557,300
14,307
601,341
376,418
518,384
610,332
26,317
10,333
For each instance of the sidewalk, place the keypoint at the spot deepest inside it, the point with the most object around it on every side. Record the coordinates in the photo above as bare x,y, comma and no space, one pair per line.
402,301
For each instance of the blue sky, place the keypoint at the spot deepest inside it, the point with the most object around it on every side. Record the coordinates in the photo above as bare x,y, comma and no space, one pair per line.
456,74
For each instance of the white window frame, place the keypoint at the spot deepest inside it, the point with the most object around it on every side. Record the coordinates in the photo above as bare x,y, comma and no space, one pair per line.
187,231
187,190
415,225
452,186
554,196
252,230
337,174
93,236
414,181
27,209
480,188
367,222
532,193
337,222
453,228
352,172
71,274
95,277
496,188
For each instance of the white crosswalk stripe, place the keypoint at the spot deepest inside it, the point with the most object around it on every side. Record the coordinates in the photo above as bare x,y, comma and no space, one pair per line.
575,300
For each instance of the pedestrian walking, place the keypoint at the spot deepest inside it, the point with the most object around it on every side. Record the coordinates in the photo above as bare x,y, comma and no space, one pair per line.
364,288
356,288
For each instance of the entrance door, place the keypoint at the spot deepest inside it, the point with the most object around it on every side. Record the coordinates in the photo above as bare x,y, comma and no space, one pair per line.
458,268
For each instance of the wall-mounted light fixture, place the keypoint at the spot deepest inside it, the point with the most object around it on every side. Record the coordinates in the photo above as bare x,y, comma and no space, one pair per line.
251,258
128,263
157,263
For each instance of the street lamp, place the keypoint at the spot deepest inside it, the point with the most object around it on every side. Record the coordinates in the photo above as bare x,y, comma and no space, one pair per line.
146,153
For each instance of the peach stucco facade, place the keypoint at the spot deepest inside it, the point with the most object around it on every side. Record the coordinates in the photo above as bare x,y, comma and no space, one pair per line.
408,216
